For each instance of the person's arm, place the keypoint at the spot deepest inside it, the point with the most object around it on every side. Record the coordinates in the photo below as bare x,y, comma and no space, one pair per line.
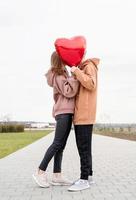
68,87
87,79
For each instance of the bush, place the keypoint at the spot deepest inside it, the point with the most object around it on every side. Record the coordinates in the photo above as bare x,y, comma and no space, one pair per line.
0,129
10,128
20,128
4,128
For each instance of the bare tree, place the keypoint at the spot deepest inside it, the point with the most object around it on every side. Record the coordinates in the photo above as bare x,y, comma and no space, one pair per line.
5,118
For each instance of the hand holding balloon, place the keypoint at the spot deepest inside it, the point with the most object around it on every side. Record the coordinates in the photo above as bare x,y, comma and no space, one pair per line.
73,68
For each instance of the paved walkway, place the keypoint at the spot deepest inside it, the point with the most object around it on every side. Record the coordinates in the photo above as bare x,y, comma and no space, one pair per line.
114,163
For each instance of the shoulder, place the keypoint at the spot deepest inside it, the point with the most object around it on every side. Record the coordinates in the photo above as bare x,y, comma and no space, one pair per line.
60,78
92,64
90,67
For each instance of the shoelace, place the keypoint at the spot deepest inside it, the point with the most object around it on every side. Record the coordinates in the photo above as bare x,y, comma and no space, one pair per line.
79,181
75,181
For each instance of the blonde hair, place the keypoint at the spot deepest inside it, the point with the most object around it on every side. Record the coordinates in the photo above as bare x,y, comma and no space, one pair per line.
57,64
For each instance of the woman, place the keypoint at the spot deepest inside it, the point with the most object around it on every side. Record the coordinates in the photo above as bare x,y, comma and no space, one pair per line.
65,88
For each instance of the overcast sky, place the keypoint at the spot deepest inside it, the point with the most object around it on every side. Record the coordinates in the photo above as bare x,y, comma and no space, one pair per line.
28,29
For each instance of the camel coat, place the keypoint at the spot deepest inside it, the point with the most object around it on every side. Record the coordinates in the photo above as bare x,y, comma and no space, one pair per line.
86,99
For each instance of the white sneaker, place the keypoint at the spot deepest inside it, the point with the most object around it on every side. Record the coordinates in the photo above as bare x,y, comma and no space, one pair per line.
90,180
60,181
41,180
79,185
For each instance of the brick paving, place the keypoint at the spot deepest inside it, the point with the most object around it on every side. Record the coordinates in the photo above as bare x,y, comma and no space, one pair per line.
114,164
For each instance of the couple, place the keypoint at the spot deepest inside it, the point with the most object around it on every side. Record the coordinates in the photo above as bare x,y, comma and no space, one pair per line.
75,100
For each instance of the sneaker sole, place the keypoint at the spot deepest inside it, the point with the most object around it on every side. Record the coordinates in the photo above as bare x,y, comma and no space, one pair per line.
59,184
77,190
43,186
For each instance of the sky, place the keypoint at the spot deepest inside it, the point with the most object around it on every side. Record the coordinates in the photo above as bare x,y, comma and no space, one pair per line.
28,30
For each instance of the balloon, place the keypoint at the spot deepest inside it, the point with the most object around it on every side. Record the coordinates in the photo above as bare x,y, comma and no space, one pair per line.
71,50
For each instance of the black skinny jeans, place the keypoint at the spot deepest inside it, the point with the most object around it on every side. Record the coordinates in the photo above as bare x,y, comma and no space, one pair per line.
63,127
83,135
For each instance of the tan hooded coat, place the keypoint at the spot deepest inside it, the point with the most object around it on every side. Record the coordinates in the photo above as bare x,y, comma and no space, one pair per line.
86,99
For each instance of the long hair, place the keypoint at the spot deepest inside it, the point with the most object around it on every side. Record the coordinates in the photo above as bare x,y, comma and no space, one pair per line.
57,64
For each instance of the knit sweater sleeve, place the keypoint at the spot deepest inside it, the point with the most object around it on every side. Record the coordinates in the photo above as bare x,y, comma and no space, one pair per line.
68,87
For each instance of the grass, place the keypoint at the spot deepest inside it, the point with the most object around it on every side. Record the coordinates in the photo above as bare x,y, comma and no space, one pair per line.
11,142
120,134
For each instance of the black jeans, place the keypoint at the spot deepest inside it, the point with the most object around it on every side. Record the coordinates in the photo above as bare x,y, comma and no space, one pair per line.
83,135
63,127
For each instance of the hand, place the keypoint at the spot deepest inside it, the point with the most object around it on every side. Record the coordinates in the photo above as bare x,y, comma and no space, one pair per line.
68,70
73,68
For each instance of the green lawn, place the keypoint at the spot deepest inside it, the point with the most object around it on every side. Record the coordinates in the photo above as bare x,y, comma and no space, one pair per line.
10,142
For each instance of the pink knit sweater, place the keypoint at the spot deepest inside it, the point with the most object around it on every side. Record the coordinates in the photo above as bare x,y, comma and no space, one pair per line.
65,89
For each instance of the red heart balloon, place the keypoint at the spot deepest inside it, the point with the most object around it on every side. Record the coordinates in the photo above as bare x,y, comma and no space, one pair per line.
71,50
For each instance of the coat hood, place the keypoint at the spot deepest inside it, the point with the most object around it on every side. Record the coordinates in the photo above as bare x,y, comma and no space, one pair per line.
95,61
50,77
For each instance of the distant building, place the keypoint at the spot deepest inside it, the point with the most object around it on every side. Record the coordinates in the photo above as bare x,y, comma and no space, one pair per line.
52,125
39,125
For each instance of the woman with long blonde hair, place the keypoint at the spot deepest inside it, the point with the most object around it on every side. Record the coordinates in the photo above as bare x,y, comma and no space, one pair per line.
65,88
